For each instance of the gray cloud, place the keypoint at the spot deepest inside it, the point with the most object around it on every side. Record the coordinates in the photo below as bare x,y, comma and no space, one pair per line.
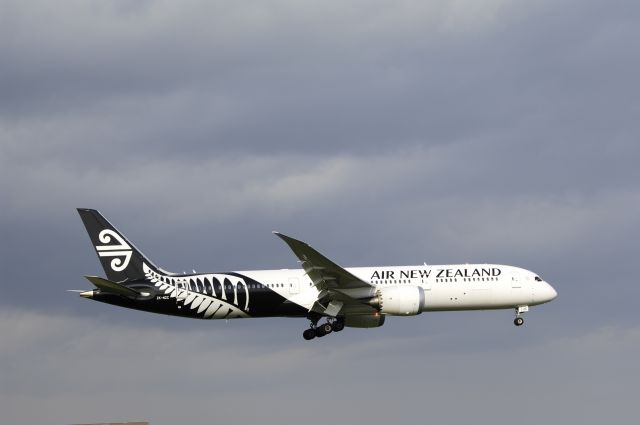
89,367
267,77
381,133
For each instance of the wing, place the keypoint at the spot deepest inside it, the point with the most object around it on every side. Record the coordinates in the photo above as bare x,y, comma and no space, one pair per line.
340,292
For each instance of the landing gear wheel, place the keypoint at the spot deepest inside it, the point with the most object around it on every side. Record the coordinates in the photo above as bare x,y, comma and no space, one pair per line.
326,328
518,321
309,334
337,326
319,331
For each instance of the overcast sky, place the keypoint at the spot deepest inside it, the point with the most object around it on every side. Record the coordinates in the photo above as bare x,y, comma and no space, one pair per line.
381,132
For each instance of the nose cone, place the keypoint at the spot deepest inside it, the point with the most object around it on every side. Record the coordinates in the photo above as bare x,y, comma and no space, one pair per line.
548,293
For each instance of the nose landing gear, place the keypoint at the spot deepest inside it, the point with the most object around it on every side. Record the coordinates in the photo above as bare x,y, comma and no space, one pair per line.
519,321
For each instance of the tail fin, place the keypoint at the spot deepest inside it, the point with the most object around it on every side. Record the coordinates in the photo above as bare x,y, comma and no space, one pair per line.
120,259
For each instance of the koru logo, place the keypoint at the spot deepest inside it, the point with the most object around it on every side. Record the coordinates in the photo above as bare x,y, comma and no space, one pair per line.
116,247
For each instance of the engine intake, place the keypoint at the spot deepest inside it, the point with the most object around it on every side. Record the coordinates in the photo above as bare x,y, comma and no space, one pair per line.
399,300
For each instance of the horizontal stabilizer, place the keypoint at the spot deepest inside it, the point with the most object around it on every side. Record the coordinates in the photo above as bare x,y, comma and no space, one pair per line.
112,287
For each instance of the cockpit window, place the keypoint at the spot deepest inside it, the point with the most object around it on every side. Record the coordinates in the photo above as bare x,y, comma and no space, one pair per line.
538,279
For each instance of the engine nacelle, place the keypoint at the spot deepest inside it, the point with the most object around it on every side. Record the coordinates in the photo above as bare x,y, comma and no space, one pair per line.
369,321
399,300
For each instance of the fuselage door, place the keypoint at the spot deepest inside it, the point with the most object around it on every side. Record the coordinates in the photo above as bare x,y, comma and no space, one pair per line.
294,285
426,284
518,293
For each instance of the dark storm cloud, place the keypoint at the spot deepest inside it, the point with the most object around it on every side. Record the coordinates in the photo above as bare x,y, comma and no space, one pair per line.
381,133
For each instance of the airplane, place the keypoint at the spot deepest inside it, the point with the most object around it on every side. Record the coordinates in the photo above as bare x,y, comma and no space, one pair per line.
321,290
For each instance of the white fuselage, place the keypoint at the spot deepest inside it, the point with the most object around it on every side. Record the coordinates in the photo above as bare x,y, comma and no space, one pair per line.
446,287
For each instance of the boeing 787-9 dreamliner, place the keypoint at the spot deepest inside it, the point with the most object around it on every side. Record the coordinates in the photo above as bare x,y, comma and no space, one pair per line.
331,297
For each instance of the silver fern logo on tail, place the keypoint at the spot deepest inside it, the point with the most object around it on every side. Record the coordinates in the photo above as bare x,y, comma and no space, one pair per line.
115,246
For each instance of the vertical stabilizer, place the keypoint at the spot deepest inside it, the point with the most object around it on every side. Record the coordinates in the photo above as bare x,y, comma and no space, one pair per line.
120,259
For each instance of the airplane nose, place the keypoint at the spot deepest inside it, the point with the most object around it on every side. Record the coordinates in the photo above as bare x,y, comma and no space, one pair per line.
550,293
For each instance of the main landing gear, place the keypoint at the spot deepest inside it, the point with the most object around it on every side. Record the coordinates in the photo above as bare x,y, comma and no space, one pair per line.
331,325
519,321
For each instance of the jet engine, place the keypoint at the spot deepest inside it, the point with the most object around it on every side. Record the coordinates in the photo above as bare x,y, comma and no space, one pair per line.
366,321
399,300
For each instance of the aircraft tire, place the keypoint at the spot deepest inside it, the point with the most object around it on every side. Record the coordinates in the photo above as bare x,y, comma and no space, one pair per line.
518,321
309,334
326,328
337,326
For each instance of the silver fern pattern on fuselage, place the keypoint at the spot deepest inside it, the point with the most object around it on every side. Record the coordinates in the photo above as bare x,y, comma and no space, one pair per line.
199,292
